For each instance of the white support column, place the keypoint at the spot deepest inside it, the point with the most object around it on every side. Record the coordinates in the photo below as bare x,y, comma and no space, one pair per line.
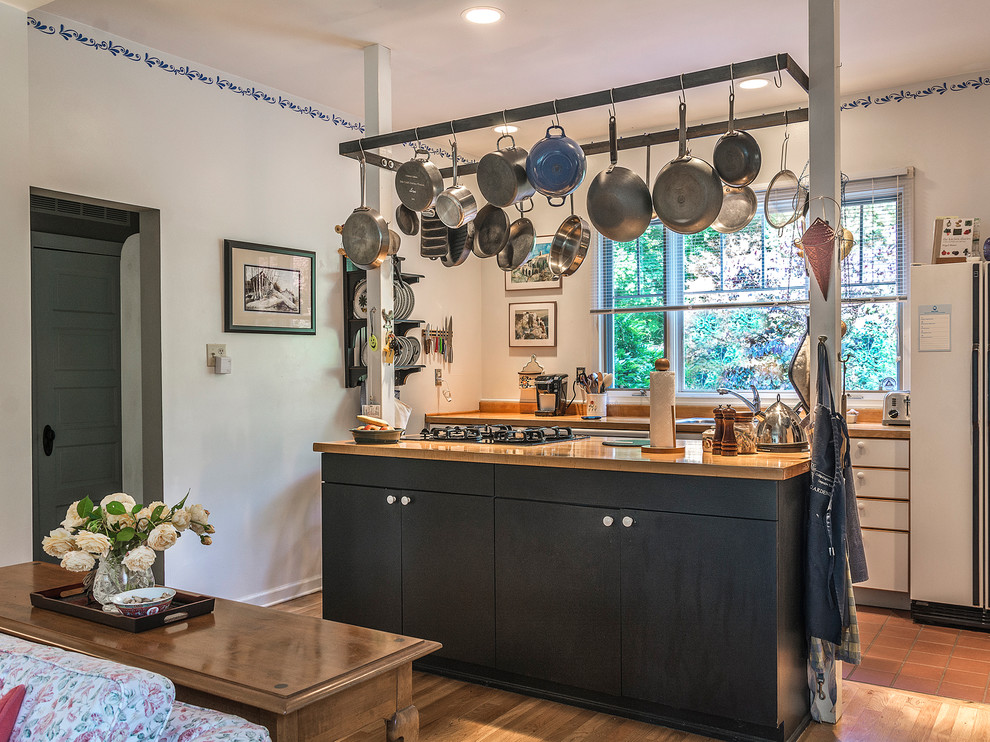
824,169
380,384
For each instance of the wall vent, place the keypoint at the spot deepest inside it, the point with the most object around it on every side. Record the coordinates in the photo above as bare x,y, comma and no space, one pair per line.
49,205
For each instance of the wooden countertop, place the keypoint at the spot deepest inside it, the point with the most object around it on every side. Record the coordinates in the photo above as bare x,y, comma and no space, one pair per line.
611,422
588,453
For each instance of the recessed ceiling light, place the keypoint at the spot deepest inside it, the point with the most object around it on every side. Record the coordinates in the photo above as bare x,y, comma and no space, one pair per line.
483,15
756,82
510,129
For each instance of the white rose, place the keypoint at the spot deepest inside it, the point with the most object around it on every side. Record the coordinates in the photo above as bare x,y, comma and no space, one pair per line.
200,517
122,497
72,519
181,519
94,543
162,536
127,519
139,559
145,512
78,561
58,543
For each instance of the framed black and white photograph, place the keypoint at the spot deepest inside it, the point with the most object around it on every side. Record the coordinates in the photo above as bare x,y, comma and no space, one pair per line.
533,325
268,289
535,273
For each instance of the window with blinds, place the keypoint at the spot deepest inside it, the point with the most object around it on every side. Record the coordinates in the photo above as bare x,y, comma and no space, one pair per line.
731,310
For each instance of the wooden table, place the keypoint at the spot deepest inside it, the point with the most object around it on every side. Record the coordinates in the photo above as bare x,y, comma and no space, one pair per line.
301,677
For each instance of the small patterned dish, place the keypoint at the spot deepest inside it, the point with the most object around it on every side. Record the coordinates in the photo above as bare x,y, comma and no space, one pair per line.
146,601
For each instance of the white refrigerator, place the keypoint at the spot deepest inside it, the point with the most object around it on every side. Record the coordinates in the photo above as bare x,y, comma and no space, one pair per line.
949,445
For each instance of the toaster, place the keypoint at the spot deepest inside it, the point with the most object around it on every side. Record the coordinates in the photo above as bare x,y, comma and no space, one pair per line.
897,408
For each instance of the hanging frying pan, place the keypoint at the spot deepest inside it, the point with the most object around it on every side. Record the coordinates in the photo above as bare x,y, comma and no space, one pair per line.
522,240
365,234
619,202
458,245
491,231
687,193
407,220
570,244
736,157
738,209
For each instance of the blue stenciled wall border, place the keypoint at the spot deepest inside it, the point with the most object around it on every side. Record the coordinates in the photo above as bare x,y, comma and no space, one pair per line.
901,95
157,63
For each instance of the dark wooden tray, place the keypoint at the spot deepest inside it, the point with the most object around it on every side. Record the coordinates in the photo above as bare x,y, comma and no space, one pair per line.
74,601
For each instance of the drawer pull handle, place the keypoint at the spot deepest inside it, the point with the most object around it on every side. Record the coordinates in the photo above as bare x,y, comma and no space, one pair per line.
861,506
405,500
608,521
390,499
627,522
861,445
860,476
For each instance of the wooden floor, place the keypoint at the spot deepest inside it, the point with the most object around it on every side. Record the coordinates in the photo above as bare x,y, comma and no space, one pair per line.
452,711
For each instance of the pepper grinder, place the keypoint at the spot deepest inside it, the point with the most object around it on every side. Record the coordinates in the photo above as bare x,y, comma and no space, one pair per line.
719,430
729,445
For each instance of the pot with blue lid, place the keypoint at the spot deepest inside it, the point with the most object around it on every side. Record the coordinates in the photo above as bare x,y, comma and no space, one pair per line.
556,165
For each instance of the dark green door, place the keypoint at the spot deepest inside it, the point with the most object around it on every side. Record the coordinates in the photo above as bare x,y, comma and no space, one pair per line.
76,348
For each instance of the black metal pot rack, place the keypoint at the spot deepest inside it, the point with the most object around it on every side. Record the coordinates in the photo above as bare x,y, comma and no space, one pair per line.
777,63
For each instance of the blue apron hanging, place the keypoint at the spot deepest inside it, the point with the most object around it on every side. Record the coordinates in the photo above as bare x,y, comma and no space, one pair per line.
825,563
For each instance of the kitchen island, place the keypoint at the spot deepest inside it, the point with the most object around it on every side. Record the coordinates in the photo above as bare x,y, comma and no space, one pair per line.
661,587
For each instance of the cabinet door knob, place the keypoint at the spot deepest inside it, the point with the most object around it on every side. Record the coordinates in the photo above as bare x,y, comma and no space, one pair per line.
861,506
390,499
861,445
607,521
405,500
860,476
627,521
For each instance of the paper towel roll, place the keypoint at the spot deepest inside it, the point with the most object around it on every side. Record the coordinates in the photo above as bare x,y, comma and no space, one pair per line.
662,409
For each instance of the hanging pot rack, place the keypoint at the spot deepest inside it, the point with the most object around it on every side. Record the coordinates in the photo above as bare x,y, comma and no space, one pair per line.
777,64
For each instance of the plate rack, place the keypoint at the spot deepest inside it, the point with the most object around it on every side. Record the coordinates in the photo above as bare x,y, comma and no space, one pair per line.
355,329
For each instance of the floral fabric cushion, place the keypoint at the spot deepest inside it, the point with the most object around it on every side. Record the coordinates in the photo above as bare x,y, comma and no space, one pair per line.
194,724
74,698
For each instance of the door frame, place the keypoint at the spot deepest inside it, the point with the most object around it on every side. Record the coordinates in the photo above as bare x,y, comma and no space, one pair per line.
144,375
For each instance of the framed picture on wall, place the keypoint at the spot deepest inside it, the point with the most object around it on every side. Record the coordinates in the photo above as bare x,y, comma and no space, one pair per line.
533,325
268,289
535,272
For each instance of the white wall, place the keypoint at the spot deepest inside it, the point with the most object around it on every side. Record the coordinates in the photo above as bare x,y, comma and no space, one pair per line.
220,165
942,136
15,287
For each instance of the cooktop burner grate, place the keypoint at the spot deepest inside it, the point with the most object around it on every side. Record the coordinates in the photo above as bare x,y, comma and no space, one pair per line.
508,434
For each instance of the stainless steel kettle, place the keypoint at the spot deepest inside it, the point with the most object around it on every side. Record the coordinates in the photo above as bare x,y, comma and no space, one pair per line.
780,430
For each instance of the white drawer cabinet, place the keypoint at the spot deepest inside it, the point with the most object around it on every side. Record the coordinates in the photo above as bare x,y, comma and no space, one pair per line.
887,557
885,453
881,475
893,484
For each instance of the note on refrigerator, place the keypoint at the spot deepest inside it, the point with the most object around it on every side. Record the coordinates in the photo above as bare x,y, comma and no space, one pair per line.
935,328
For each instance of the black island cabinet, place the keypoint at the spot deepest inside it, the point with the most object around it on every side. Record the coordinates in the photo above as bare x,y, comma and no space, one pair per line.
662,597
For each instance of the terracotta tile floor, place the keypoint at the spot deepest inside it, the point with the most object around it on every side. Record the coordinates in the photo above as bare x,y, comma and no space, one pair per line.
899,653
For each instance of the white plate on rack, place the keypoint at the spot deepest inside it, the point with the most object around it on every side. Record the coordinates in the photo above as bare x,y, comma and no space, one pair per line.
359,304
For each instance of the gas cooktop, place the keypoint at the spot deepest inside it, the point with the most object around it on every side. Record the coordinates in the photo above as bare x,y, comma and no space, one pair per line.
498,434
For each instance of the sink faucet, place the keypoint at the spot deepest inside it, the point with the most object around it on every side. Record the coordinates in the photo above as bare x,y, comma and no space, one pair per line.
754,405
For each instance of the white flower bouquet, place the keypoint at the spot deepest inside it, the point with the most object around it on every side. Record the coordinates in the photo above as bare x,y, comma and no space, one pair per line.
124,530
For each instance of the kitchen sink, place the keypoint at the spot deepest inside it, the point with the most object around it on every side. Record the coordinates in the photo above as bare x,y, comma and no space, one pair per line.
696,421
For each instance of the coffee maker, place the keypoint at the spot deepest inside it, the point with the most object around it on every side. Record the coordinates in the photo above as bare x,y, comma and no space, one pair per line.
551,394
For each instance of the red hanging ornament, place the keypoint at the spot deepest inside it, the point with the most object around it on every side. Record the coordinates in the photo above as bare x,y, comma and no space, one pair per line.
818,243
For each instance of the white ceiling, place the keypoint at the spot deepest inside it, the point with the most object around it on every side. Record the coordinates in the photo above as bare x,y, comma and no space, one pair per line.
445,68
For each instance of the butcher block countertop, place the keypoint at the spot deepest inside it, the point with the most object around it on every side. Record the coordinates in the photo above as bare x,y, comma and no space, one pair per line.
866,429
588,453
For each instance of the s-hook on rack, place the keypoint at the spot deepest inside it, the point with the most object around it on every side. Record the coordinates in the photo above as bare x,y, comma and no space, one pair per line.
777,64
